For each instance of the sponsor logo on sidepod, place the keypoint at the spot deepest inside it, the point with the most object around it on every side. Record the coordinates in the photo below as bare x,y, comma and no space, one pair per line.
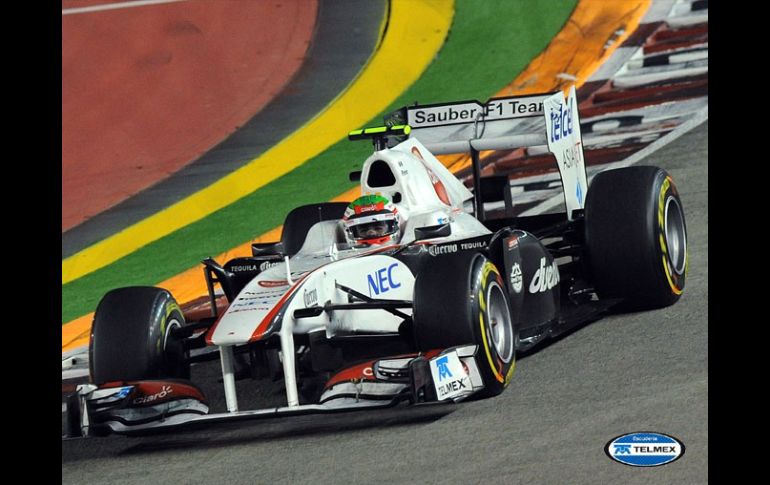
437,250
268,264
382,281
516,278
644,448
545,278
253,267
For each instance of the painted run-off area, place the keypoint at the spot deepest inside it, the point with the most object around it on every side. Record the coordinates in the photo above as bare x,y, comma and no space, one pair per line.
147,90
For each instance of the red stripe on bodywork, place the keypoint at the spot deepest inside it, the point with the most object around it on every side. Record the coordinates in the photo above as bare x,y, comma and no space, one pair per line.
145,388
358,371
262,327
213,327
351,373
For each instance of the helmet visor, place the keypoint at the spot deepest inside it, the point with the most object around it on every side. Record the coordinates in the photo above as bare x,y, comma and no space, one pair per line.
374,229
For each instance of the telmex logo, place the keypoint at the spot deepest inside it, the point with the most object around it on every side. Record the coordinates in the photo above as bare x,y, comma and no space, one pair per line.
443,368
644,448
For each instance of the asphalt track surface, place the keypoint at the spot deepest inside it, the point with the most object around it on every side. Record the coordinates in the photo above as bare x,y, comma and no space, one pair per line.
644,371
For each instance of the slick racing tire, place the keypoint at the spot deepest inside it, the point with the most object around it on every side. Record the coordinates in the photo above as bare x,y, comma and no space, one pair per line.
636,238
131,337
463,300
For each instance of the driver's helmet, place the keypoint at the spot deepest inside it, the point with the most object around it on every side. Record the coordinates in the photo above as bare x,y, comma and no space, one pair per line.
371,219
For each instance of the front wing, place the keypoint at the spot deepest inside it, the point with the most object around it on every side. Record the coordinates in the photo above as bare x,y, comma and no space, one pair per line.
148,407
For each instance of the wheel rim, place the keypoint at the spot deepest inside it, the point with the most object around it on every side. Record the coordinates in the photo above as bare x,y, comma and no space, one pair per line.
676,237
499,323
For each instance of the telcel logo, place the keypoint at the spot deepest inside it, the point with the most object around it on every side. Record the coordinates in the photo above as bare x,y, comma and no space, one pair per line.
381,281
561,121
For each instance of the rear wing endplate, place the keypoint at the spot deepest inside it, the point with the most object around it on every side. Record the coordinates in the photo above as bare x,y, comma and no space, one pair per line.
542,120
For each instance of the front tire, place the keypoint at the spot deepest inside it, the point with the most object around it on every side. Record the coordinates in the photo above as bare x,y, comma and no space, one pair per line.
462,301
636,237
131,337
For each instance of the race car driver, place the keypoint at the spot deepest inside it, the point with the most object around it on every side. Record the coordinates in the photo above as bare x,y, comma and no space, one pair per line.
372,220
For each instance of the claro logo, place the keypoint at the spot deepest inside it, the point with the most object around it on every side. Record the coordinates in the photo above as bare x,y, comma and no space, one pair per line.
545,277
164,391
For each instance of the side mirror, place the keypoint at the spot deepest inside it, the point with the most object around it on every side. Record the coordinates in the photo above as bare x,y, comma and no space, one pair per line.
267,249
430,232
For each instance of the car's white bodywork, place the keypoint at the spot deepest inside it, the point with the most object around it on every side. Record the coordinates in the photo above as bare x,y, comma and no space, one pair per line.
326,260
328,273
425,194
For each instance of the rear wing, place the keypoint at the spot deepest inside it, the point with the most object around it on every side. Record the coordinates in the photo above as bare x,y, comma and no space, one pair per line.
541,120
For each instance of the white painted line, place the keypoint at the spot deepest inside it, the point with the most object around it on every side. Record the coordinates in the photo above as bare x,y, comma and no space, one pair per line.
114,6
613,65
685,127
686,21
659,73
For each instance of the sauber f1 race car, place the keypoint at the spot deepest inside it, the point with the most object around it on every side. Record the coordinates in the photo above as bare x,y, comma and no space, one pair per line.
434,308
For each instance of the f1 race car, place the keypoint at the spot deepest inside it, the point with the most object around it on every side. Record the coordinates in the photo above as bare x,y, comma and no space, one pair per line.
435,312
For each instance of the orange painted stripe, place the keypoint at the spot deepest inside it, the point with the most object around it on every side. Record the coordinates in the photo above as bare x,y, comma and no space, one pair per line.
76,333
577,50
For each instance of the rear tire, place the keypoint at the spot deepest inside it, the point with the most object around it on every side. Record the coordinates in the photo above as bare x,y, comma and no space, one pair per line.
131,337
636,238
463,300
